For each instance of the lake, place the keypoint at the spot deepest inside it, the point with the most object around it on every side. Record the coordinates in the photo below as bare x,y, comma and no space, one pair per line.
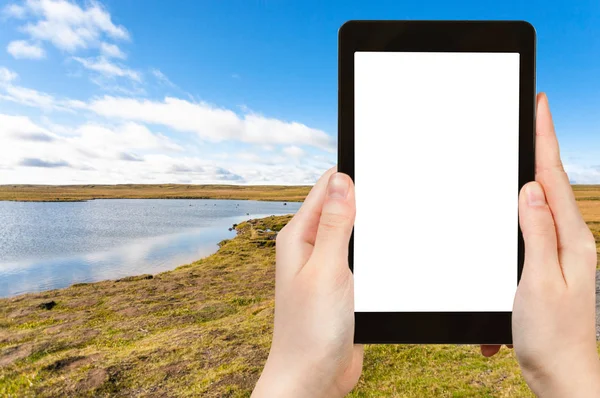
49,245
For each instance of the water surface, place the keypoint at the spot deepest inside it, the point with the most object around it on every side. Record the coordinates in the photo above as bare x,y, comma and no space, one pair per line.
52,245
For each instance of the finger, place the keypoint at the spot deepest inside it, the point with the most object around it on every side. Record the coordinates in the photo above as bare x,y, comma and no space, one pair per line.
570,228
337,221
489,350
295,241
359,351
307,217
539,234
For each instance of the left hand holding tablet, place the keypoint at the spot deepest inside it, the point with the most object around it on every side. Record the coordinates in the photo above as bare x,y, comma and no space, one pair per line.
312,354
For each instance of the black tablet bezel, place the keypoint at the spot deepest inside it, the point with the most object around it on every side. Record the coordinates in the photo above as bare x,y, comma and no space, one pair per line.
437,36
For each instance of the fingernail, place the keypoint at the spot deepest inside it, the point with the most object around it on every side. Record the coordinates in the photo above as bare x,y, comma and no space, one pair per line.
535,195
338,186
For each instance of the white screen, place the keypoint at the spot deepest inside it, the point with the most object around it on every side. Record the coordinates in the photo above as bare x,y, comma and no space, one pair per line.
436,172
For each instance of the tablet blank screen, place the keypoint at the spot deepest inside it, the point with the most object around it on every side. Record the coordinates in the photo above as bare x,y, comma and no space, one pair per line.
436,172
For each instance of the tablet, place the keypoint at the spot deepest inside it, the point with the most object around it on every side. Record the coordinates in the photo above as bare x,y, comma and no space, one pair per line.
436,128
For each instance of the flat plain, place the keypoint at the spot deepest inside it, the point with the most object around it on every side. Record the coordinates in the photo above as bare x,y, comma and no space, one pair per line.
204,329
71,193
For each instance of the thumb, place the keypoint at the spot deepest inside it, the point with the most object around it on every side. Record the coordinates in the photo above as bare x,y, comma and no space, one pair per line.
337,220
539,234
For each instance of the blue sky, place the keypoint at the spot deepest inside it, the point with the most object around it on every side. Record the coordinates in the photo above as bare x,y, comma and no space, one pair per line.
232,91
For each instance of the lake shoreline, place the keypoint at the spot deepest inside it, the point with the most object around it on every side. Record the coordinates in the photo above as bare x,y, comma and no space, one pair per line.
73,340
53,245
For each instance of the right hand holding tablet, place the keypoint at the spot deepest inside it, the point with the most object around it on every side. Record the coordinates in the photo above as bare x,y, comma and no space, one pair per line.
554,310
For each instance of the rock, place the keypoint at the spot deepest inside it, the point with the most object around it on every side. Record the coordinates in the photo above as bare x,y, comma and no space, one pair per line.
285,204
47,305
69,362
135,278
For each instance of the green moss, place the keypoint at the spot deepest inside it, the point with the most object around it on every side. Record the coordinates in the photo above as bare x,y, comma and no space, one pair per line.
13,384
243,301
34,324
204,329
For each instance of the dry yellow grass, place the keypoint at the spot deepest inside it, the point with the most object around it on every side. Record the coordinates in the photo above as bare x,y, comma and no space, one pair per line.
69,193
588,200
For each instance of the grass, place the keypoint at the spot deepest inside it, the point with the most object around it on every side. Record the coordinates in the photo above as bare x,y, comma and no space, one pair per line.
75,193
588,200
204,329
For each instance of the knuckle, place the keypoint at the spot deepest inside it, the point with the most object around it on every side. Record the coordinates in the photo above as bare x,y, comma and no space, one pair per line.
541,226
534,286
334,221
582,246
340,275
282,235
551,170
588,247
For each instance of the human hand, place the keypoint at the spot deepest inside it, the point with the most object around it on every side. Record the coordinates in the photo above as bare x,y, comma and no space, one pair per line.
554,310
312,353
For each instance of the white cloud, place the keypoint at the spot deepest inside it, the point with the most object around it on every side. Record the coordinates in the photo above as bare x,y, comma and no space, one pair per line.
111,51
14,11
580,174
21,127
21,49
7,75
99,151
212,123
66,25
161,77
126,153
70,27
29,97
128,136
294,151
126,139
255,158
262,130
33,98
108,69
